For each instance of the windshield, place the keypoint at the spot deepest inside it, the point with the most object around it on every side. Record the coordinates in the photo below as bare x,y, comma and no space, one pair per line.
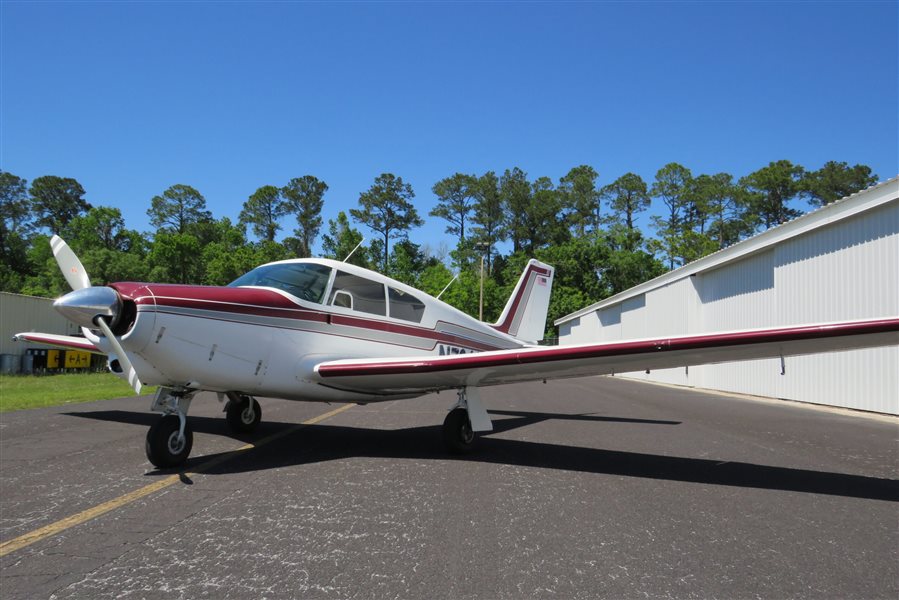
306,281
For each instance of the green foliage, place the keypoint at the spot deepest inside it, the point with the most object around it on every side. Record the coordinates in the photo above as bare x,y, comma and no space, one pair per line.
304,197
465,294
261,212
434,278
45,278
108,251
542,222
14,206
229,255
836,180
672,184
386,209
627,262
488,217
16,225
626,196
341,239
700,215
408,262
771,189
176,258
724,208
55,201
580,198
515,193
456,195
178,209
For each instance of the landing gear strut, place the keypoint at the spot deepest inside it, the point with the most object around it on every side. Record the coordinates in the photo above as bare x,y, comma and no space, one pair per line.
170,439
465,419
243,413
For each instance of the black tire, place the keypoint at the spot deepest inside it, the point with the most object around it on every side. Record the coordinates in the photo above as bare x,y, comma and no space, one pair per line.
238,415
163,449
457,433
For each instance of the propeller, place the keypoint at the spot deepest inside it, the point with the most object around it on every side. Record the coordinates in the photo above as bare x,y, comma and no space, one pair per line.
124,362
91,306
71,267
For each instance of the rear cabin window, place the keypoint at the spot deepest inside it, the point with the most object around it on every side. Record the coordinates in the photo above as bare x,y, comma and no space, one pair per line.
358,293
405,306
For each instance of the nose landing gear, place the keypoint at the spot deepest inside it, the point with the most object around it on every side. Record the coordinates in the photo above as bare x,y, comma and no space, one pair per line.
170,439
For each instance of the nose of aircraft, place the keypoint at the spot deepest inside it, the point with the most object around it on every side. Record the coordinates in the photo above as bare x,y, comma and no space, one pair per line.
84,305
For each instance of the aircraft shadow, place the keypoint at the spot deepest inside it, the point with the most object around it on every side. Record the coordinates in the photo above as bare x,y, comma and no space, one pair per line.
210,425
321,443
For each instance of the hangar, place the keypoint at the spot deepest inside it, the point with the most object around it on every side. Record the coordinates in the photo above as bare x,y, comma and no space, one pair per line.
839,262
26,313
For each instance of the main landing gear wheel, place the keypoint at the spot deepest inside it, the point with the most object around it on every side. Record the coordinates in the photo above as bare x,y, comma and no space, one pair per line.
242,418
457,433
165,446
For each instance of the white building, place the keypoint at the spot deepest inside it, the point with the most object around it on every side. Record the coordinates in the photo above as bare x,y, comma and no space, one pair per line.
840,262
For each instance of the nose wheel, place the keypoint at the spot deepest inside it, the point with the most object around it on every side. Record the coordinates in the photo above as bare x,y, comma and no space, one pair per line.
170,439
166,445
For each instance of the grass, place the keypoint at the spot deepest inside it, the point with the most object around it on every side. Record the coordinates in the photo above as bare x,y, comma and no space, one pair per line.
18,392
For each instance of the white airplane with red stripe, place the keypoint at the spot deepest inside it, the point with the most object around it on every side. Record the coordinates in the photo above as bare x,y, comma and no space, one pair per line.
322,330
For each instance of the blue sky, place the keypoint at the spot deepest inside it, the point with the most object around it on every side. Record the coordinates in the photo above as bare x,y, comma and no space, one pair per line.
131,98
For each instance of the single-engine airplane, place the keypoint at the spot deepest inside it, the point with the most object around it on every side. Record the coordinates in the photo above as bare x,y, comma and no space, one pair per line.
323,330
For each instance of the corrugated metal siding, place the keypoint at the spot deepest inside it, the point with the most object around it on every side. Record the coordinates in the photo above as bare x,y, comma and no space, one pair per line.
839,271
20,314
738,296
848,270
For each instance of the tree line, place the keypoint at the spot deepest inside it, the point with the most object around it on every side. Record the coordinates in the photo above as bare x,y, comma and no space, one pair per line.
588,232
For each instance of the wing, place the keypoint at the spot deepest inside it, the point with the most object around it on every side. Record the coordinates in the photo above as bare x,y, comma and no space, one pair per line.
62,341
418,374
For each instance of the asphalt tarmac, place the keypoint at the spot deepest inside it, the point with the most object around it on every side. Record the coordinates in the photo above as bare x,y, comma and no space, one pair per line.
590,488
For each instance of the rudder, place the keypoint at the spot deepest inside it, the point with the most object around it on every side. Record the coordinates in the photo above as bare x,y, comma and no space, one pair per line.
524,316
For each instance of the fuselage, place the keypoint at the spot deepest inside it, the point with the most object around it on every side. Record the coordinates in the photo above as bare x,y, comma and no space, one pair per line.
264,334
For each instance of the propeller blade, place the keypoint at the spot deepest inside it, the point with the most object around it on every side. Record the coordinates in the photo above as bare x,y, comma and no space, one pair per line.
127,367
71,267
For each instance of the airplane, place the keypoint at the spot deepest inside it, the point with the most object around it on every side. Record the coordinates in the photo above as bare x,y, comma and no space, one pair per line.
315,329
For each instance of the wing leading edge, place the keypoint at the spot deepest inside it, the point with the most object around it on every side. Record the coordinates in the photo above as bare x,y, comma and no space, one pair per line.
62,341
418,374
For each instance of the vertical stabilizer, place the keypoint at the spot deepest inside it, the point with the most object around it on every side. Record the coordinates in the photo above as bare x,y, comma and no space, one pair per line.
524,316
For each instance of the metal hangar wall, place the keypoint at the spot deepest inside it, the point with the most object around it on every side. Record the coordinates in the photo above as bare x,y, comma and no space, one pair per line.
839,262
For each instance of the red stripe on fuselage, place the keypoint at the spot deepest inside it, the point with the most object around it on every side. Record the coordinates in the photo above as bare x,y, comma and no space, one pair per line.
266,303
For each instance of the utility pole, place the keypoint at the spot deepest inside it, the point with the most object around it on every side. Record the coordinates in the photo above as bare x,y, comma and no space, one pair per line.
481,301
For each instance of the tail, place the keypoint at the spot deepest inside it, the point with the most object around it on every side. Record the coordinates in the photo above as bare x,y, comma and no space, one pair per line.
524,316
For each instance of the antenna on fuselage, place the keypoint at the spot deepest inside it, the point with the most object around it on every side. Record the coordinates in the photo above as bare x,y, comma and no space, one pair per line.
353,250
447,285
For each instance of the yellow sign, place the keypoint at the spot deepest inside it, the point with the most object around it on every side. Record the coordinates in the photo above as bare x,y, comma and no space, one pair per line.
75,359
53,359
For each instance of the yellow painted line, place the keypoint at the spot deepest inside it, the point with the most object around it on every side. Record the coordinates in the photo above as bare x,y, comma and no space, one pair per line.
101,509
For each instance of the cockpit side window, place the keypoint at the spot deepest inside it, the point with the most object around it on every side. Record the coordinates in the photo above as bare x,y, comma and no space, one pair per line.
306,281
367,296
405,306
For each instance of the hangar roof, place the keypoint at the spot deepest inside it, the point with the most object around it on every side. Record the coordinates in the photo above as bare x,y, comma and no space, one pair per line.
849,206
